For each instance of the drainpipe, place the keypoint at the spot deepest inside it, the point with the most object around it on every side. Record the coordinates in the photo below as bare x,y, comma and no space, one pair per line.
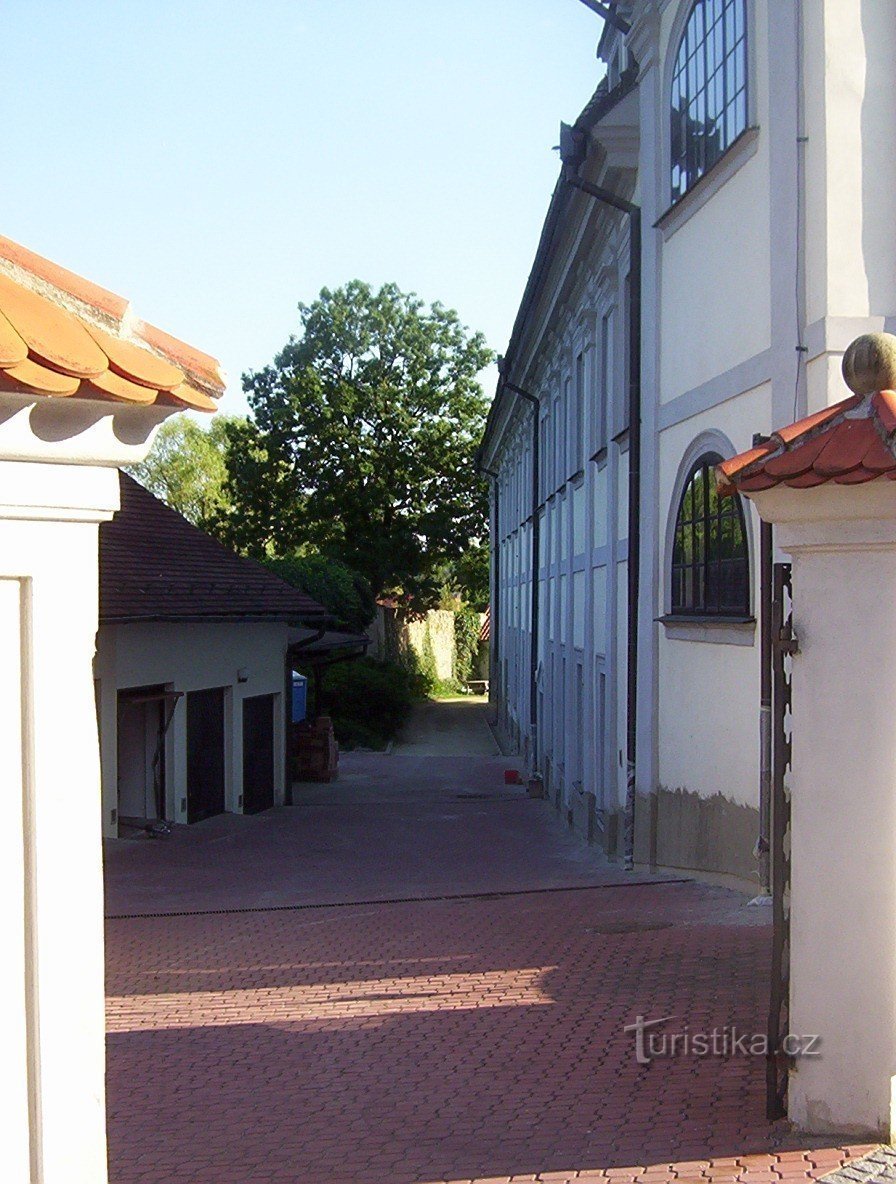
763,842
573,150
535,403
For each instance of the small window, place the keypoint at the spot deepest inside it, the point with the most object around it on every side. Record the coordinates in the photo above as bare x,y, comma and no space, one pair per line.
710,565
709,89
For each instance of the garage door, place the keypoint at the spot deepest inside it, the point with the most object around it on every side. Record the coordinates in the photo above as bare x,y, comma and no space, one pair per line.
258,753
205,754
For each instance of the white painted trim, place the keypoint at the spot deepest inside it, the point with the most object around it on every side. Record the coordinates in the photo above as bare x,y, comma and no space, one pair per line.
743,377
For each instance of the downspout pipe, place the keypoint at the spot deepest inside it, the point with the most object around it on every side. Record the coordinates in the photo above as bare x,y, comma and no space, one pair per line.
535,403
763,842
573,150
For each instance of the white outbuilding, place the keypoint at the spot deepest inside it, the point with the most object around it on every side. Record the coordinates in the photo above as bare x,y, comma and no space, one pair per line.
191,671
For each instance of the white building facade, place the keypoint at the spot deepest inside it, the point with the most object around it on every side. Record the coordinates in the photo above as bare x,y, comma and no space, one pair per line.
750,137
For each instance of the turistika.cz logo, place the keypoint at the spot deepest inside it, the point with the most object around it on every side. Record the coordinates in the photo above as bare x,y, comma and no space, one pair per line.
724,1041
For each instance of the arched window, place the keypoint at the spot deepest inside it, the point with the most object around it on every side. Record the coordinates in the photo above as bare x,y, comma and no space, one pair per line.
710,563
709,89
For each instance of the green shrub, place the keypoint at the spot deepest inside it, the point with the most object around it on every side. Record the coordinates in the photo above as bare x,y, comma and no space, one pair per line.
421,679
368,701
466,642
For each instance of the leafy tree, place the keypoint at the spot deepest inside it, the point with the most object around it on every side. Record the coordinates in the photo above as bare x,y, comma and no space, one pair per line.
362,440
186,467
345,593
471,576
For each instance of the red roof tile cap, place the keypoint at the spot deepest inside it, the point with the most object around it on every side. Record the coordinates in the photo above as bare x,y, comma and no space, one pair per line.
869,363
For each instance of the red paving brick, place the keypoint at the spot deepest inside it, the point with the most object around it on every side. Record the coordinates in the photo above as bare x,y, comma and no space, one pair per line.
444,1040
466,1040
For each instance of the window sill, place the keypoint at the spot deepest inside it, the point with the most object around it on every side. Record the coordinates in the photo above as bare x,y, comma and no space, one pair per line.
621,440
715,630
734,157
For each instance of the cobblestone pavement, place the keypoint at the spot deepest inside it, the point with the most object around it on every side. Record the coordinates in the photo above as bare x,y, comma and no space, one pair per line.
471,1039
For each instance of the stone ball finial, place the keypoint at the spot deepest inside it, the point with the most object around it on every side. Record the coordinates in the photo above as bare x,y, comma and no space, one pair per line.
869,364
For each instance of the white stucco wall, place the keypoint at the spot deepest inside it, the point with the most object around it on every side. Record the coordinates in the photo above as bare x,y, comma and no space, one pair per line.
190,657
708,703
58,482
842,541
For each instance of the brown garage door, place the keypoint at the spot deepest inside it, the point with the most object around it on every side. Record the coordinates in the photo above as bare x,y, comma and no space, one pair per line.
258,753
205,754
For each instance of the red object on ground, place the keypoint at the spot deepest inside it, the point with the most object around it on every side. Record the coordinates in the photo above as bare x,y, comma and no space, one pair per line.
511,777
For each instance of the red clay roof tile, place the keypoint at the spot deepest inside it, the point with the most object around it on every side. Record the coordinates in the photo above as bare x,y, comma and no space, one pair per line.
51,344
63,279
885,407
12,348
37,378
796,461
113,386
849,443
845,447
803,426
737,463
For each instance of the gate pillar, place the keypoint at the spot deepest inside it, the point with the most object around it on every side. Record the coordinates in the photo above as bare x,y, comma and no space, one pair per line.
842,543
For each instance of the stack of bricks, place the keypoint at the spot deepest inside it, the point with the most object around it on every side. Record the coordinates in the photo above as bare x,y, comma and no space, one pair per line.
315,751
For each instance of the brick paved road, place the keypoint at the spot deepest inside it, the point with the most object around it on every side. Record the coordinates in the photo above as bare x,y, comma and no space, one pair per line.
468,1039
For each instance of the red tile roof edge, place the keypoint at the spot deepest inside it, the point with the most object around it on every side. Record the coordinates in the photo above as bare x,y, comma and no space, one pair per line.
850,443
85,301
67,281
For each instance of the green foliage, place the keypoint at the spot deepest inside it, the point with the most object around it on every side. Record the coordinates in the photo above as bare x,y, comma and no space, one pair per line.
362,440
369,701
187,468
471,576
261,513
344,593
466,642
420,679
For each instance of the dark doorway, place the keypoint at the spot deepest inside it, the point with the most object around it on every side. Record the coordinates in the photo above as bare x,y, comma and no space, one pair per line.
141,754
258,753
205,754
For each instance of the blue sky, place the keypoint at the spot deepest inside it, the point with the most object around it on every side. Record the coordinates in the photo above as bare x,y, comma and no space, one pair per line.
216,163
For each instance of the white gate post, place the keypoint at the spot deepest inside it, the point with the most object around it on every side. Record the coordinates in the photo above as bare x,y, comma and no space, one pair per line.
51,991
842,540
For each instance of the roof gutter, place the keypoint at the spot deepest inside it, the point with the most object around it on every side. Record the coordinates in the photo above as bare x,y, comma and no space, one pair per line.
573,153
607,10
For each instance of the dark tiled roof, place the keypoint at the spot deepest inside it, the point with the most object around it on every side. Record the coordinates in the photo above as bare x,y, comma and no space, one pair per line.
157,566
852,442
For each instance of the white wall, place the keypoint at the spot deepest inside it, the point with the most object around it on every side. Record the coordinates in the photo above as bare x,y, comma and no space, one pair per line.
51,866
190,657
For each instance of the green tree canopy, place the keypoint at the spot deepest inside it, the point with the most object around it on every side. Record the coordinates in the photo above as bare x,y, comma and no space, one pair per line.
344,593
362,440
187,469
471,576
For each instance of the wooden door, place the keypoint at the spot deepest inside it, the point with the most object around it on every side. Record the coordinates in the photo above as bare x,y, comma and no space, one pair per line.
258,753
205,754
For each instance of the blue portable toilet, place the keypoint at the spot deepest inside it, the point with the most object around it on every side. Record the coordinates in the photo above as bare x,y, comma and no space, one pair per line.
299,697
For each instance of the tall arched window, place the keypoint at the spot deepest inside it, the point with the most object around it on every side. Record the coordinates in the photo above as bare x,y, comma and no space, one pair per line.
709,89
710,562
